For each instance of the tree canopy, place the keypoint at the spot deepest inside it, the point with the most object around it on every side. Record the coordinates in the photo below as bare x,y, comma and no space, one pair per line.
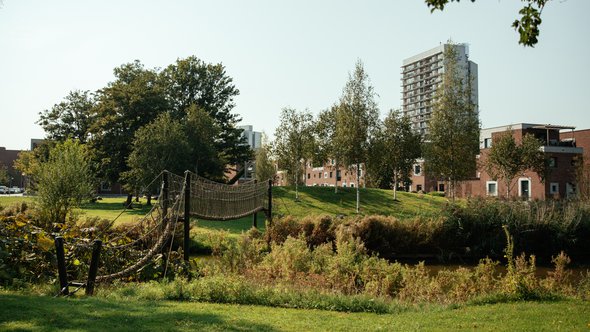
452,142
356,117
507,159
71,118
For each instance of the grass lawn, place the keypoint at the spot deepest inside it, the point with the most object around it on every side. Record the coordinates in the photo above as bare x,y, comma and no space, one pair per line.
43,313
323,200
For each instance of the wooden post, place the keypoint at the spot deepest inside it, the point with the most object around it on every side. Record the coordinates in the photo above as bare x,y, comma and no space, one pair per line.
270,201
255,220
61,266
165,195
93,267
187,213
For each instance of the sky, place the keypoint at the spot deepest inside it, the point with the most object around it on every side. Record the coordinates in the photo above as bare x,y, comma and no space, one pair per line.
291,53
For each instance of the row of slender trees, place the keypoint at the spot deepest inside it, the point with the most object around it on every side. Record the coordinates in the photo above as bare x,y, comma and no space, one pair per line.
352,134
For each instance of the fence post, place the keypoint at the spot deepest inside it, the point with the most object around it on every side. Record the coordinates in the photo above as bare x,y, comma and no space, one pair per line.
187,213
61,266
93,267
270,201
165,195
255,220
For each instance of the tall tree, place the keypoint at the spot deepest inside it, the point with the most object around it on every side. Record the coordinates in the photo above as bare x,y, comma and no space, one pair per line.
356,117
4,176
265,169
71,118
507,159
399,147
294,143
326,146
191,81
527,26
452,142
63,181
134,99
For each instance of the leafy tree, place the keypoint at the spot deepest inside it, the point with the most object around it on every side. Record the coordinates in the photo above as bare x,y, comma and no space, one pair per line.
527,26
71,118
63,181
294,143
173,145
326,147
265,168
356,116
191,81
507,159
398,148
134,99
28,162
452,143
4,176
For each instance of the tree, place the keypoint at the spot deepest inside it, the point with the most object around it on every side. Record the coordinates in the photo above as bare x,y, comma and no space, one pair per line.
63,181
191,81
326,147
4,176
134,99
452,143
356,116
265,169
173,145
527,26
294,143
398,148
71,118
506,159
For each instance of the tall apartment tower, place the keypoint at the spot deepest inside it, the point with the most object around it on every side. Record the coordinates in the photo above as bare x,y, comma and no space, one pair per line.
421,75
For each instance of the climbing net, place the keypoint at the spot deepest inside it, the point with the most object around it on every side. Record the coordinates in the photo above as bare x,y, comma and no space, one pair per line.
218,201
146,239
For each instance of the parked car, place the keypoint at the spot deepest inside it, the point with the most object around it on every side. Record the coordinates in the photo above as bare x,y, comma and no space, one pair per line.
15,190
4,190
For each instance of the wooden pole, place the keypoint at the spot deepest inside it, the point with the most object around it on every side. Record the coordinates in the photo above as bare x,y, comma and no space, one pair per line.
165,195
93,267
255,220
187,213
270,201
61,266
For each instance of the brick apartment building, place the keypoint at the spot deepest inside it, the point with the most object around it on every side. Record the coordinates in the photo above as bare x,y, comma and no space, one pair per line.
328,175
7,158
562,150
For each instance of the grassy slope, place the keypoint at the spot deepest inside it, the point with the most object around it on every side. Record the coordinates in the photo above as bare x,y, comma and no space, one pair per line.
35,313
312,201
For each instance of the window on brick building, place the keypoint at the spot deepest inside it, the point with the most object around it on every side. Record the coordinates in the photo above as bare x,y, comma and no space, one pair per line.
492,188
553,162
554,188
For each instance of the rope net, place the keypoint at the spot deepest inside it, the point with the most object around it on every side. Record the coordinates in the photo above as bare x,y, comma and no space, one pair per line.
219,201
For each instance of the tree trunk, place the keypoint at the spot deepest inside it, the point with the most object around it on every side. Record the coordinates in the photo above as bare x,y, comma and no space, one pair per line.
296,187
149,199
395,186
358,195
128,204
336,176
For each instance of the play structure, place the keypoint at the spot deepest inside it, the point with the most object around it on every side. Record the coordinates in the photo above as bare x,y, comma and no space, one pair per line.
181,197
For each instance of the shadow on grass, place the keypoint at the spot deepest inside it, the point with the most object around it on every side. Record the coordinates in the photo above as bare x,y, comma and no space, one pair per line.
20,312
116,207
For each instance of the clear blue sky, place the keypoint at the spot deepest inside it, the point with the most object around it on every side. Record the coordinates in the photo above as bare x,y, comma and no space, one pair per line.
291,53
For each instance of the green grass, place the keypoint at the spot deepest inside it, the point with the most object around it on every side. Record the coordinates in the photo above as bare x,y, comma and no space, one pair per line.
323,200
107,208
41,313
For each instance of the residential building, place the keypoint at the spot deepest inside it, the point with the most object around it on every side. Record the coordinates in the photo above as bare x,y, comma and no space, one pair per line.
421,76
330,175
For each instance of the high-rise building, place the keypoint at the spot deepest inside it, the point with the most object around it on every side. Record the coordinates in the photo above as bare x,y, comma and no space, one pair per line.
421,75
253,138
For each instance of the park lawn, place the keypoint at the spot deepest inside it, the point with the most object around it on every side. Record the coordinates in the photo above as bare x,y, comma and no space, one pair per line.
44,313
107,208
323,200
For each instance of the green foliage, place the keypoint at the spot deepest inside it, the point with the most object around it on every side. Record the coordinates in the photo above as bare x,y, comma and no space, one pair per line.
71,118
63,182
527,26
453,137
4,176
294,143
357,116
265,169
192,83
393,151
